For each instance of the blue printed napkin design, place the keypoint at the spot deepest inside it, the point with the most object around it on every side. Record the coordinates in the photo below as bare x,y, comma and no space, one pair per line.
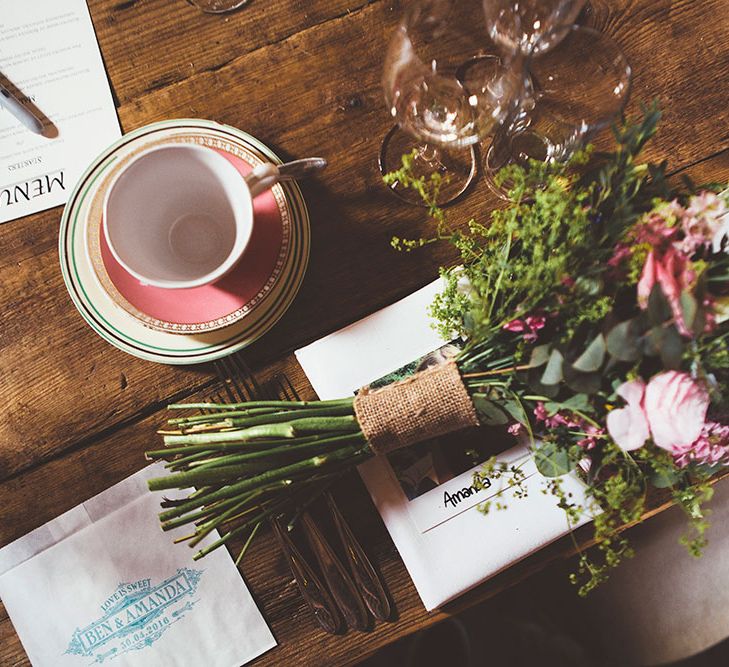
103,584
136,615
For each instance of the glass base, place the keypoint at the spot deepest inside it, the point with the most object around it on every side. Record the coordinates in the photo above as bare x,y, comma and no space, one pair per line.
217,6
520,148
457,166
496,157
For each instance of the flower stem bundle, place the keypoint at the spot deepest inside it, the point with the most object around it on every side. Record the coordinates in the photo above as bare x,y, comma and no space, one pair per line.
592,316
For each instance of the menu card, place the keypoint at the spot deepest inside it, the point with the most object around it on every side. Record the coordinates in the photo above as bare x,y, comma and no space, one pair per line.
425,493
103,584
50,61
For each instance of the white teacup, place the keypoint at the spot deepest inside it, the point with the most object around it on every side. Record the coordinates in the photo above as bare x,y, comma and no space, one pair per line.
179,216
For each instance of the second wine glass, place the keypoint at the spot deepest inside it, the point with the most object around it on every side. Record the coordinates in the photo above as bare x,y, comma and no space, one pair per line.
577,89
446,91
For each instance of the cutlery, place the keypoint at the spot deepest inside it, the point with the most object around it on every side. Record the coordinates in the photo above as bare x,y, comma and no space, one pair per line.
240,385
370,585
340,584
311,589
264,176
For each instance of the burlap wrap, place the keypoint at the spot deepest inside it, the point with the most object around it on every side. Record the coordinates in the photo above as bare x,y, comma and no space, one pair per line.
428,404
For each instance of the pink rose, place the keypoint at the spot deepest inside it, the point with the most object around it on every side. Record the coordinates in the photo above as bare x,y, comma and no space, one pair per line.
676,408
671,408
671,271
628,426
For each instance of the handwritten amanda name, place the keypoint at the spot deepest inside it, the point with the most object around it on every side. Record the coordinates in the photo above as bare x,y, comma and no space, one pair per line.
452,499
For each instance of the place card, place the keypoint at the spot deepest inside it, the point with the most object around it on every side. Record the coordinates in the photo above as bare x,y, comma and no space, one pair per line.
425,493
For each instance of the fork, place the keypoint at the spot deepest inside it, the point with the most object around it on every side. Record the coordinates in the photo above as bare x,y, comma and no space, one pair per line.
240,385
369,583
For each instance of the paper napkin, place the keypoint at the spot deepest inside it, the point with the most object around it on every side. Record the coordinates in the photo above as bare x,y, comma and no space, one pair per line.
103,584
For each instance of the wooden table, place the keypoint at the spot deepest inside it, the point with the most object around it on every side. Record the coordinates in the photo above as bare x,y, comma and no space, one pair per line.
303,76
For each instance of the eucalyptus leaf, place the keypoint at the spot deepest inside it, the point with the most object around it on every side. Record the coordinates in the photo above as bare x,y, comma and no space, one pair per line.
548,390
592,358
659,310
552,460
489,413
580,402
553,372
688,308
539,356
515,409
623,341
587,383
664,479
671,348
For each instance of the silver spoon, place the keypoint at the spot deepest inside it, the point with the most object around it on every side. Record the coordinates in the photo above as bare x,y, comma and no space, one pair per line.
266,175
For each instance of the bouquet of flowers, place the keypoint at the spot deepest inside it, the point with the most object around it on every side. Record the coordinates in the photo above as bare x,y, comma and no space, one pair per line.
593,313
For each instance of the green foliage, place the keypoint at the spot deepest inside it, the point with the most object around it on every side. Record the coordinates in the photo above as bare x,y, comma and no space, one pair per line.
552,328
552,460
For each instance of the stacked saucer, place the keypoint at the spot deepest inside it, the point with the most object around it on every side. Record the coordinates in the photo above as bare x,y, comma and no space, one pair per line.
185,326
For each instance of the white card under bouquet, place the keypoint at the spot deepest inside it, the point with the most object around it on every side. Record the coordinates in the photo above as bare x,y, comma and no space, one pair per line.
430,507
103,584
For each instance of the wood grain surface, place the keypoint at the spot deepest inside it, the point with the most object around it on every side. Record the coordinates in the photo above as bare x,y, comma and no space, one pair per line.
304,77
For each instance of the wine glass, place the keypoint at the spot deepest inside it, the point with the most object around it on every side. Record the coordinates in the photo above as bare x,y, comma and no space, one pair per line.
217,6
446,92
578,89
521,25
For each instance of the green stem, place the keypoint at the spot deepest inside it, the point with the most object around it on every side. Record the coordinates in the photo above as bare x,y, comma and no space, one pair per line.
192,478
259,404
231,419
302,426
182,510
214,448
247,544
319,445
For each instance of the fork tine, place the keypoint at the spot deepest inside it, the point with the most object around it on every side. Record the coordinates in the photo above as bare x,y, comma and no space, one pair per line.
291,389
229,382
220,371
245,374
240,380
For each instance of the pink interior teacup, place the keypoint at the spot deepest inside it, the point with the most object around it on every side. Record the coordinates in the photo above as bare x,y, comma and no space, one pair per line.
178,216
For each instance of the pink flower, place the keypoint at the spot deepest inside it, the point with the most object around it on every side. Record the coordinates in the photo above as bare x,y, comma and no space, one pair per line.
628,426
671,271
516,429
620,253
515,326
530,325
676,408
592,434
710,448
658,227
540,412
705,222
671,408
571,421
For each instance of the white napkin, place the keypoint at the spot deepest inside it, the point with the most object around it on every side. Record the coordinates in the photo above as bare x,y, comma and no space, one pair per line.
103,583
447,547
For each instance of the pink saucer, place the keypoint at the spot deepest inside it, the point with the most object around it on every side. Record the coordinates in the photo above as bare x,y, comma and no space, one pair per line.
210,307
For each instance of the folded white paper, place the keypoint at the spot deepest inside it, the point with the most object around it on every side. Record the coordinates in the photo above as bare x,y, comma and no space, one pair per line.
447,545
102,583
49,54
